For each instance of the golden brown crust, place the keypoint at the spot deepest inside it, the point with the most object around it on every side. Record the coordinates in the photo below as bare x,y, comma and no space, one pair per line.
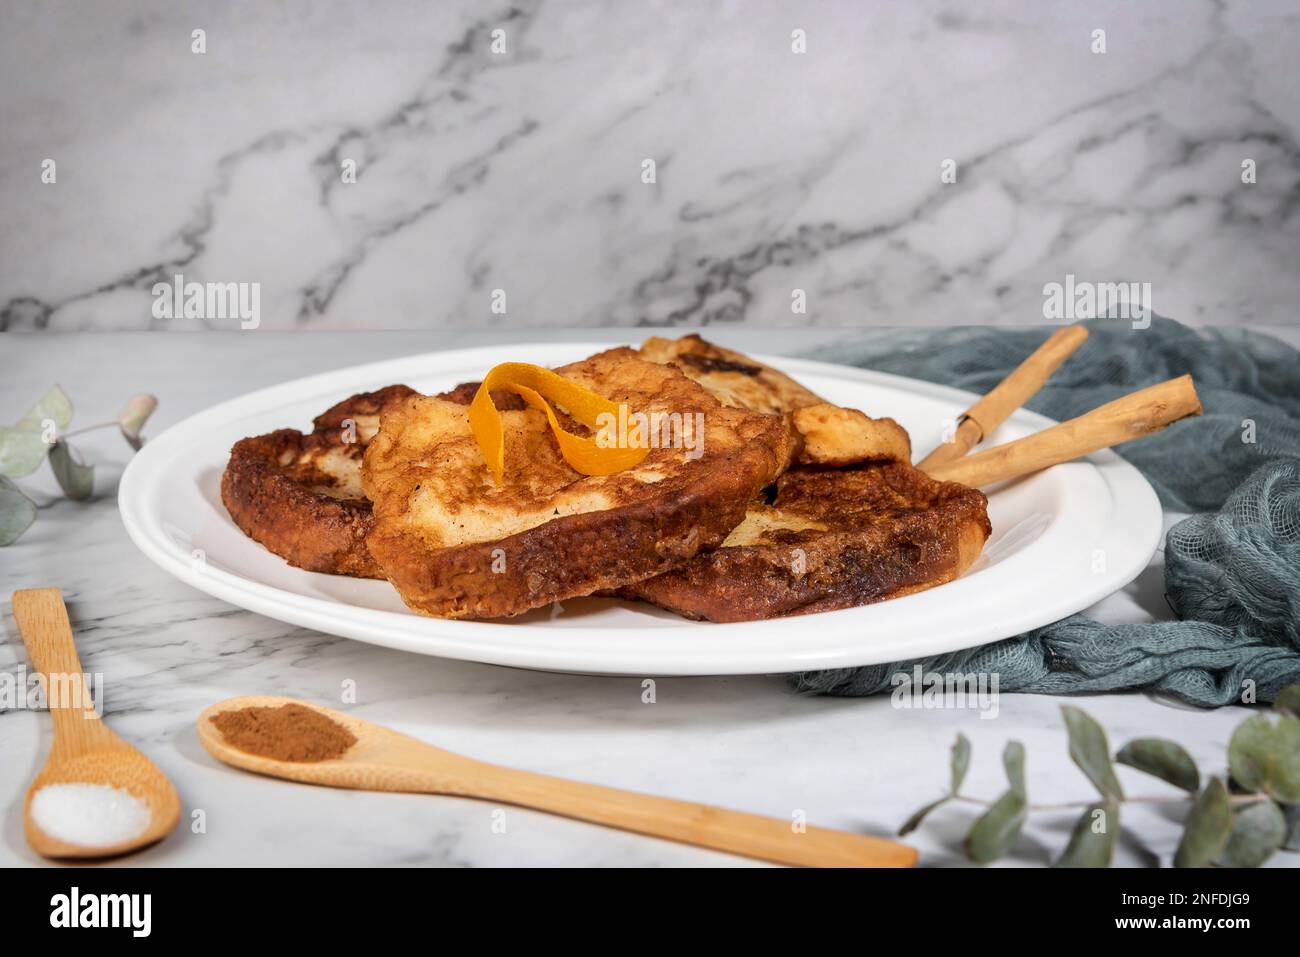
825,435
833,437
737,380
831,540
299,495
456,545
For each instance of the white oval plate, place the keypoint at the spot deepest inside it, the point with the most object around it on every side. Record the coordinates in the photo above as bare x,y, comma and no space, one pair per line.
1062,540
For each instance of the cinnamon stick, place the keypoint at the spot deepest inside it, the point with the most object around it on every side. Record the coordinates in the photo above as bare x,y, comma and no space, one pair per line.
1129,417
983,418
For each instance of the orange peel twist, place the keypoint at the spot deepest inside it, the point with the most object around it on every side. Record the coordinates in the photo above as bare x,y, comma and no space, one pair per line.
536,385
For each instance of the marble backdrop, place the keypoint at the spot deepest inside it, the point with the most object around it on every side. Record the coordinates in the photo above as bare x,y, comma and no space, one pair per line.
502,156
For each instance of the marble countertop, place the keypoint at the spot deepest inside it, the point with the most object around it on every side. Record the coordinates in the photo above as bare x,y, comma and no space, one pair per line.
166,651
503,145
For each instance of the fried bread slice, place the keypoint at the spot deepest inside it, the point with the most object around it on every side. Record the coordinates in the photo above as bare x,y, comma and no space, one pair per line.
300,495
831,436
457,545
825,434
830,540
736,379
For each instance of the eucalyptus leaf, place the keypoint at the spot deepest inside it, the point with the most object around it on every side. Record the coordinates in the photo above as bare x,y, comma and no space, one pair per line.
996,829
1208,825
1258,830
1092,842
17,512
1089,750
54,405
1013,759
75,478
21,451
958,765
133,417
1292,842
960,762
913,822
1288,699
1264,755
1165,759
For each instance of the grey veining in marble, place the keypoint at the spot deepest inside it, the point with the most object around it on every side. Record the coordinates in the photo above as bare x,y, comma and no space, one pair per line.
167,651
522,169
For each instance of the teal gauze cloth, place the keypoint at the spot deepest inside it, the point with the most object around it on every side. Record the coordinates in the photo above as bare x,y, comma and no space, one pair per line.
1232,570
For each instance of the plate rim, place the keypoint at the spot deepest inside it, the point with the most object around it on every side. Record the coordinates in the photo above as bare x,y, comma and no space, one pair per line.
1128,488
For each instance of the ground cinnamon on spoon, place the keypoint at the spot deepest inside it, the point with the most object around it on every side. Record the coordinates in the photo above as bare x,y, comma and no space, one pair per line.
290,732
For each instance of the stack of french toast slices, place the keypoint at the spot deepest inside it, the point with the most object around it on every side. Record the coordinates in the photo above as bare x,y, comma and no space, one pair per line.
782,504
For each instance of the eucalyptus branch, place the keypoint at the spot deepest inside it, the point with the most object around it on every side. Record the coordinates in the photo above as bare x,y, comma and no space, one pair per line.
89,428
1241,828
42,435
1235,799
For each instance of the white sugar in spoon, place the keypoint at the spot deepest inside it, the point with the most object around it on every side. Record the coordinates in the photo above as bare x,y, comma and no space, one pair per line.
86,757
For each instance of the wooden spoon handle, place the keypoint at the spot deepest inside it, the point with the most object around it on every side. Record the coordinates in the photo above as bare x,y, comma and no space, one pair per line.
751,835
1129,417
43,622
981,419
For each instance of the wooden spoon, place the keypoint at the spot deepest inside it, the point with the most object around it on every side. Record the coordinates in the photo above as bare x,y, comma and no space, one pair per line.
383,760
84,751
